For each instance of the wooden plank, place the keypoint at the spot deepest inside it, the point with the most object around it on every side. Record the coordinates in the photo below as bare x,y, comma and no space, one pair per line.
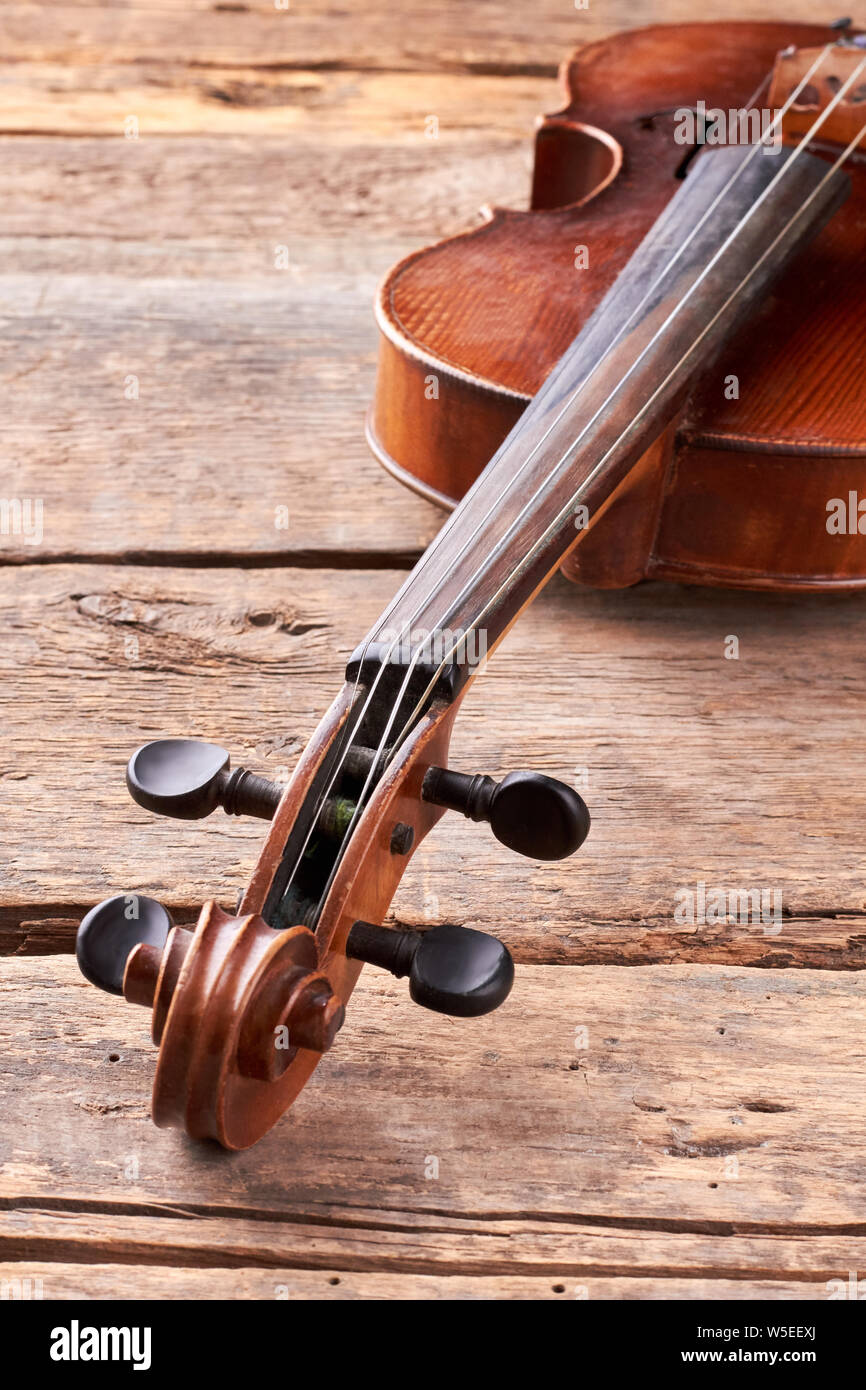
501,36
179,299
143,1282
696,769
237,382
447,35
194,313
338,108
182,294
559,1251
679,1138
342,205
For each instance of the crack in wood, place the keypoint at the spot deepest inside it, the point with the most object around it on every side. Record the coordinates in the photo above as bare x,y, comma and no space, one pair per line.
44,929
53,1249
468,1222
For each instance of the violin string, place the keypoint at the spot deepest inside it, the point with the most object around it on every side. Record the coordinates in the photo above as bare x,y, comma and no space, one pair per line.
620,333
805,142
569,507
351,728
438,540
803,145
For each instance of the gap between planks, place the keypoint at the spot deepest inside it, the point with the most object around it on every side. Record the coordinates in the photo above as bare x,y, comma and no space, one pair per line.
222,559
807,941
575,1253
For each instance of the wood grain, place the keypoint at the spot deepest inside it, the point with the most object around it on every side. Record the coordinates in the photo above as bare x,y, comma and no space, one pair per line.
501,37
680,1137
352,203
57,1280
226,99
127,478
562,1174
368,1241
687,776
298,346
165,280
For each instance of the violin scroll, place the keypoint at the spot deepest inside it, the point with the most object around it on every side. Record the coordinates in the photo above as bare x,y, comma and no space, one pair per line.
234,1003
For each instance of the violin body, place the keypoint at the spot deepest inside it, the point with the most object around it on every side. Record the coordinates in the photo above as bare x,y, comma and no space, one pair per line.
771,443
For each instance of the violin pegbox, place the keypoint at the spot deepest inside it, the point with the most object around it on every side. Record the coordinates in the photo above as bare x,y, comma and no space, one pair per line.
244,1006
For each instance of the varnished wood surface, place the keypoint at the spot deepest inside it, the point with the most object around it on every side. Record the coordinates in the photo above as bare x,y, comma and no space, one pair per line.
559,1170
491,316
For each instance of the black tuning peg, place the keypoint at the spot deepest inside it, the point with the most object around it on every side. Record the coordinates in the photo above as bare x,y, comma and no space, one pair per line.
529,812
112,930
186,779
452,970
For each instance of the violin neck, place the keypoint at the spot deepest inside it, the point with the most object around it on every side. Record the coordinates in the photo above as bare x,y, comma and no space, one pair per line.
708,260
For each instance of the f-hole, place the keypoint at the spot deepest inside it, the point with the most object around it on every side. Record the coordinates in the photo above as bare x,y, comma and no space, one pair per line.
700,131
648,122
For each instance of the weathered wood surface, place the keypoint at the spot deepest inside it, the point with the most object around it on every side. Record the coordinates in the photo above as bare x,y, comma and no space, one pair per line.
164,295
686,773
679,1139
56,1280
354,35
707,1140
176,240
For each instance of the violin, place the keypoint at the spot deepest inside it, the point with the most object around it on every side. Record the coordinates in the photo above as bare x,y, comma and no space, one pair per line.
654,372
